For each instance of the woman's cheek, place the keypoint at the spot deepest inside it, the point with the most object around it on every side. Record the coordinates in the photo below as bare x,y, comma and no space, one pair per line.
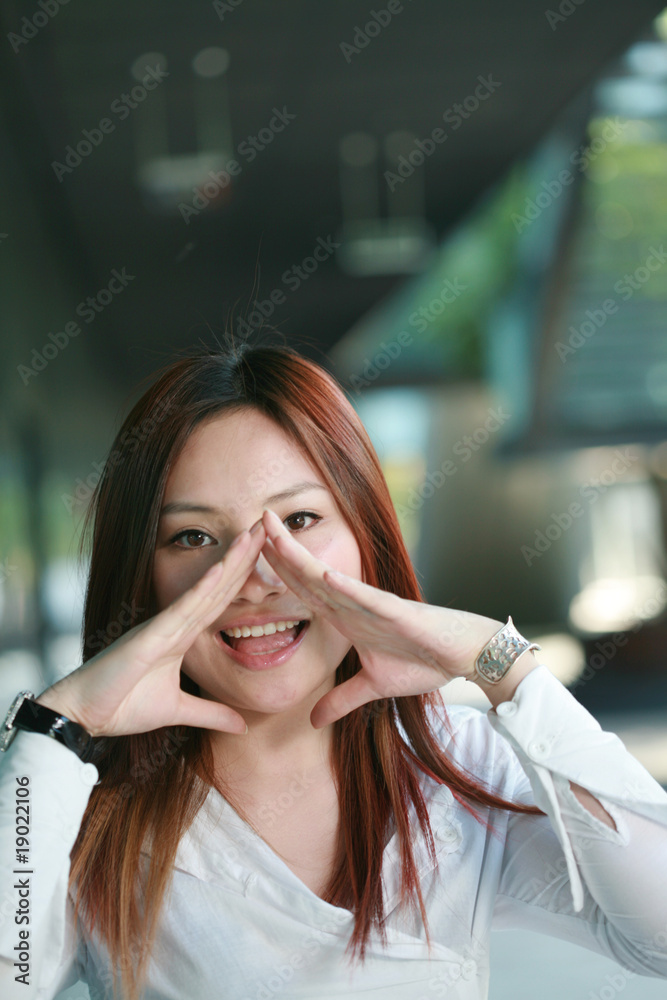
340,553
169,582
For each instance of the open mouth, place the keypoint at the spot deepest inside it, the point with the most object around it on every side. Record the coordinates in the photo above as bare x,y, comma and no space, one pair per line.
266,643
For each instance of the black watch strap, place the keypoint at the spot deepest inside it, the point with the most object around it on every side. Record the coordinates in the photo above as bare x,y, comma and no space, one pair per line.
29,715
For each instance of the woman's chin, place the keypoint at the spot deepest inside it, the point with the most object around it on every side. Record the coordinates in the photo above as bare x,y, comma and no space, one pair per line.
267,692
280,697
275,697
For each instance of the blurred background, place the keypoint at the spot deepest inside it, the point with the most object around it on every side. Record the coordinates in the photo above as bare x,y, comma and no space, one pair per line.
458,209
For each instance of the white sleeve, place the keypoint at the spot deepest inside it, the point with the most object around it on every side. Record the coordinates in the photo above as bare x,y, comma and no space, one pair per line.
568,874
34,882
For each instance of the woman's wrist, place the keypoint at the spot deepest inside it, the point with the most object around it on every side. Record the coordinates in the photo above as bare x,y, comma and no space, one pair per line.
52,698
478,631
484,630
504,689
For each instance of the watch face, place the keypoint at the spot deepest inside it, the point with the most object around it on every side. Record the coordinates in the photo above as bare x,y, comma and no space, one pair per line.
6,736
8,731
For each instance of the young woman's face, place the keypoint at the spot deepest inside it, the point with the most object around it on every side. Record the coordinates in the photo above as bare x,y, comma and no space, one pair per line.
234,465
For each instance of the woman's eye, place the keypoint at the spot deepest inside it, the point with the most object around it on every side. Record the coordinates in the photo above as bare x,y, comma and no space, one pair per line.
300,514
190,535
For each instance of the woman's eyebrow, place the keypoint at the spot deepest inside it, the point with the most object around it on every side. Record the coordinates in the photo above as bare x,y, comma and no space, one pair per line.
188,506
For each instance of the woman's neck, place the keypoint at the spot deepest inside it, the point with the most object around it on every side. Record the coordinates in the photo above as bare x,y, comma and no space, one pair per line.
269,756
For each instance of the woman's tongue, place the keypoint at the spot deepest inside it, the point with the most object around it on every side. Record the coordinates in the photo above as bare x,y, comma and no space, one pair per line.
265,643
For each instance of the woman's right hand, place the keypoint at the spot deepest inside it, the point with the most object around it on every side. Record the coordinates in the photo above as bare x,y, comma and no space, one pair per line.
134,685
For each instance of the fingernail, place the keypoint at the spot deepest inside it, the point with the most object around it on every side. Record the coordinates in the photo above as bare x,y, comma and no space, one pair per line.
256,526
239,539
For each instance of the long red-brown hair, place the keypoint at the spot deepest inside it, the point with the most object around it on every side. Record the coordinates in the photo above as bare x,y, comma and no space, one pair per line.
157,781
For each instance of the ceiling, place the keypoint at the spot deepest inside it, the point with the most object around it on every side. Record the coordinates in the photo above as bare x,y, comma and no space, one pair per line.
190,276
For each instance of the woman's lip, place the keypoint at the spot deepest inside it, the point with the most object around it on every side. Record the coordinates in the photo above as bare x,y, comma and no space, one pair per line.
263,661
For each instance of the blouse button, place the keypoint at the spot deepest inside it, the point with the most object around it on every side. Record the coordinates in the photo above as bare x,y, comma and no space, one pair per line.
447,833
89,774
506,708
469,968
538,748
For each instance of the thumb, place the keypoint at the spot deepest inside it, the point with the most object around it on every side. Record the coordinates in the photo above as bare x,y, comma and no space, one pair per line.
202,713
342,700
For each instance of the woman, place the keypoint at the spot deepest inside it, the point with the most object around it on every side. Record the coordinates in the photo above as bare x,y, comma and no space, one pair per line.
289,810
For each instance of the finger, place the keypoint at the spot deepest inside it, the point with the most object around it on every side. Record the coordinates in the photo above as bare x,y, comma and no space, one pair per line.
295,555
336,590
203,713
180,622
299,568
309,587
342,700
361,596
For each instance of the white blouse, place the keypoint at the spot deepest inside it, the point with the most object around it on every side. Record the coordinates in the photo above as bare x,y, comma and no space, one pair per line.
239,924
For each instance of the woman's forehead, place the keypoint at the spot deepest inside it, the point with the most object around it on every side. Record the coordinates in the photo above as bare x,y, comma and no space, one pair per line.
240,433
239,450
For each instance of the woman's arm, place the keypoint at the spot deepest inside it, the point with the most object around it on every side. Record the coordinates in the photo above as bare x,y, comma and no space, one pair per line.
44,789
597,880
132,686
409,647
504,691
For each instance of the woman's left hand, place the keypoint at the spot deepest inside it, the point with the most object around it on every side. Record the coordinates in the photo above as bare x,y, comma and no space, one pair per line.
405,647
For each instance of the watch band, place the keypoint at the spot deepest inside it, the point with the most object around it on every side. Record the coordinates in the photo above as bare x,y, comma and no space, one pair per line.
27,714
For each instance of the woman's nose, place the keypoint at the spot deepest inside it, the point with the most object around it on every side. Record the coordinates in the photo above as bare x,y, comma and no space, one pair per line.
263,576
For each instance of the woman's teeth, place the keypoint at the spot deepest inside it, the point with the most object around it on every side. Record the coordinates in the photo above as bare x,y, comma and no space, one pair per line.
264,639
256,630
